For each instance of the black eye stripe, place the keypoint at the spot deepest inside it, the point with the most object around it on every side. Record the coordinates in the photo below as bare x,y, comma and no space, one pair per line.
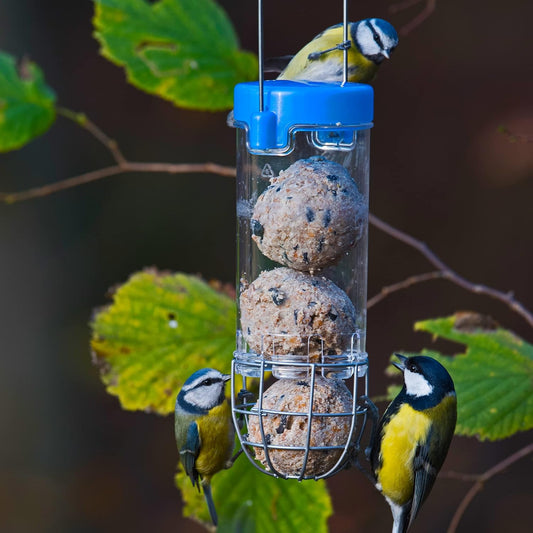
209,381
375,34
377,38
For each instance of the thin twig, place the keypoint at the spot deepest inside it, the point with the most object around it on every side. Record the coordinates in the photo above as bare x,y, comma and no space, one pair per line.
429,8
45,190
480,480
477,288
181,168
126,166
460,476
406,283
122,165
82,120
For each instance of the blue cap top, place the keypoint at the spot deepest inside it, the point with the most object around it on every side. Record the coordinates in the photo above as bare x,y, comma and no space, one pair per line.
299,105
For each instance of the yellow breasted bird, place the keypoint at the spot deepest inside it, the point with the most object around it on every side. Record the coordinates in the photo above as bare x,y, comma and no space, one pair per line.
371,41
204,429
413,437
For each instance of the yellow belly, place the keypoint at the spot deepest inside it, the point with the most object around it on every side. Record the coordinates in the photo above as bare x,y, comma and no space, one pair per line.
217,441
401,437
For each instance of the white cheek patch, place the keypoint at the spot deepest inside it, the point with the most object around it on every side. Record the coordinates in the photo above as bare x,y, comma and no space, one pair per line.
204,397
365,40
416,384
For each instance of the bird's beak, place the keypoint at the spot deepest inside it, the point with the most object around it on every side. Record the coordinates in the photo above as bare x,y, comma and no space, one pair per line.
401,365
226,377
385,54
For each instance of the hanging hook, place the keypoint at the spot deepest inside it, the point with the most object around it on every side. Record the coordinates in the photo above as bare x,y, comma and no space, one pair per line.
345,38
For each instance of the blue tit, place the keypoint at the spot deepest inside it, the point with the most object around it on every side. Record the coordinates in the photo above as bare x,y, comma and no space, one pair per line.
204,429
413,437
371,41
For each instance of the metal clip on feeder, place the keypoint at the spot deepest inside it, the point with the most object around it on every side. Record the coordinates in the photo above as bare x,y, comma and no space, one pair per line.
302,210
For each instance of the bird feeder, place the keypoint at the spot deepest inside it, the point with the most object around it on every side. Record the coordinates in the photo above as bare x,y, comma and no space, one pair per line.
300,367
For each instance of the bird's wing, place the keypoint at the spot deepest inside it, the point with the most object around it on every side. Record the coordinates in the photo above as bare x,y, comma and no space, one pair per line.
276,64
425,475
189,452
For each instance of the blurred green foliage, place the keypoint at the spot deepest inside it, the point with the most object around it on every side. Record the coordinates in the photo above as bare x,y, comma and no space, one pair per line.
26,103
160,329
247,500
185,51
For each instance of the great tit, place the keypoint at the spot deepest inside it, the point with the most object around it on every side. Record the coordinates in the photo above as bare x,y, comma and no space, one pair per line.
371,41
413,437
204,430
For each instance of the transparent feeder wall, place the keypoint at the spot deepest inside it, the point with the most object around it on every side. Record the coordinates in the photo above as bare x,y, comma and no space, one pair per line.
304,229
302,287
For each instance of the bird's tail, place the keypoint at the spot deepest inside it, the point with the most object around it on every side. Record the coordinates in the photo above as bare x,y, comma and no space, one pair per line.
401,523
210,503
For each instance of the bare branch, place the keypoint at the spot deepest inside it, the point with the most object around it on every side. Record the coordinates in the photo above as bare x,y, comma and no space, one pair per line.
45,190
446,272
426,12
480,480
460,476
83,121
406,283
181,168
122,165
127,166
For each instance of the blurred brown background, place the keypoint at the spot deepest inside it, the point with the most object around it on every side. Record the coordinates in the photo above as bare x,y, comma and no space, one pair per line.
70,458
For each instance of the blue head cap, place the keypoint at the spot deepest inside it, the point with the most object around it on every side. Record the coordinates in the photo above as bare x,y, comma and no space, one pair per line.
387,28
202,391
198,374
374,38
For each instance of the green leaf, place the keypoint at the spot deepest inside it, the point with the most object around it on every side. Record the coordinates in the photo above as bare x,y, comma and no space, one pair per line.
26,103
493,378
160,329
250,501
185,51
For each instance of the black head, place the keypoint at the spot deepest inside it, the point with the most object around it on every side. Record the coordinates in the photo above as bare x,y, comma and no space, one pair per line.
425,377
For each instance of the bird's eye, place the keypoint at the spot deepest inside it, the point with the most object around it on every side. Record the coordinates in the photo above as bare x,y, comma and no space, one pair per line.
207,382
412,367
376,38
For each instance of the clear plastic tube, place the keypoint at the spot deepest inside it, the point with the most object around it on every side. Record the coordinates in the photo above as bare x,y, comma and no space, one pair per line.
302,217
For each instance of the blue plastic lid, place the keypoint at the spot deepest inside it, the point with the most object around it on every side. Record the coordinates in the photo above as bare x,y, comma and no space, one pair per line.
292,105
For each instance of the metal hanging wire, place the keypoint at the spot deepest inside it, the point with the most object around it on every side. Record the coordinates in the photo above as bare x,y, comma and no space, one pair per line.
260,53
344,46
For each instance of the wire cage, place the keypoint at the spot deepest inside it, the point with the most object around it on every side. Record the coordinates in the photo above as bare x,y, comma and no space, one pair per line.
312,450
302,226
